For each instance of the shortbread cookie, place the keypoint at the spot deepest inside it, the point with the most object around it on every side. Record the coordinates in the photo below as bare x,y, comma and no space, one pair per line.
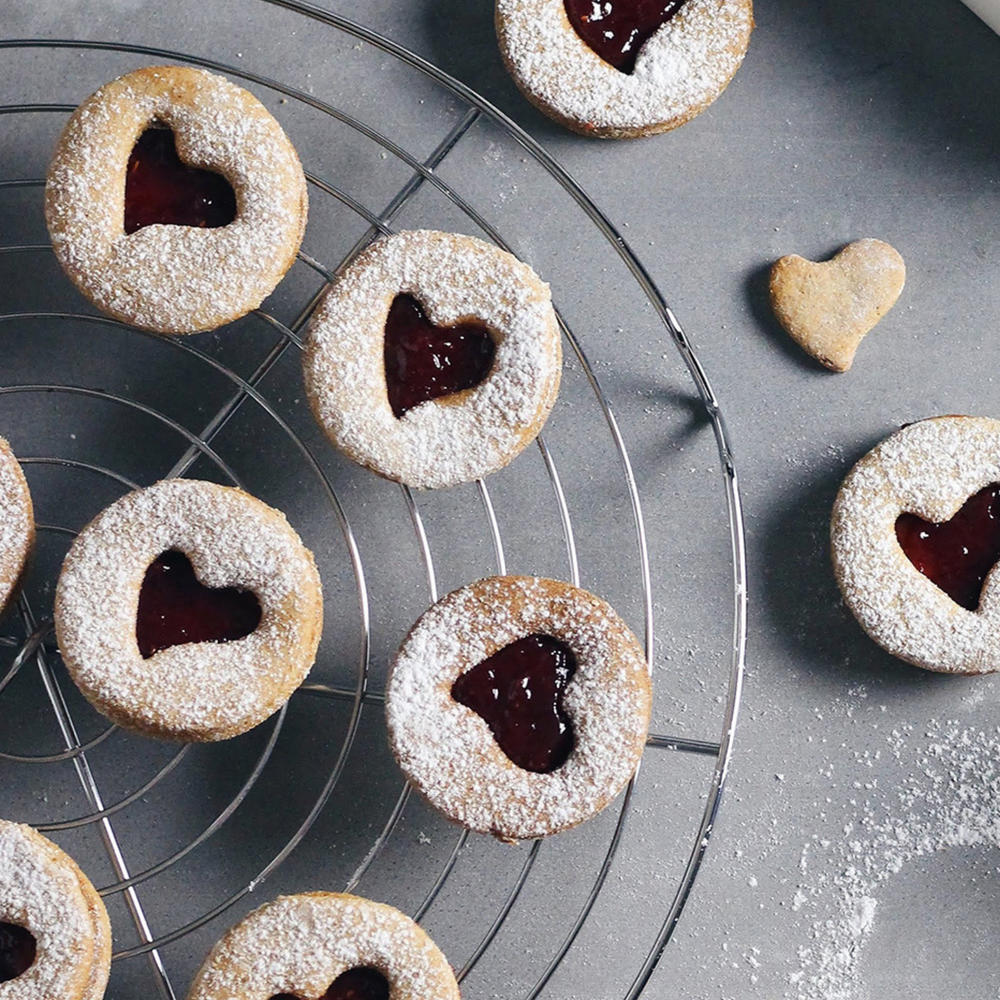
434,359
519,706
55,938
916,537
827,308
188,611
17,524
618,71
325,945
160,242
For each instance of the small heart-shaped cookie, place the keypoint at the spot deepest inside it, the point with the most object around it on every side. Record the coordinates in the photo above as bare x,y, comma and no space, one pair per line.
827,308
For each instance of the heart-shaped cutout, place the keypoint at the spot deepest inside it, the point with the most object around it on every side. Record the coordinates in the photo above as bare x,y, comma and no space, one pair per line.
617,29
161,189
17,951
362,983
176,608
827,308
518,693
424,361
956,555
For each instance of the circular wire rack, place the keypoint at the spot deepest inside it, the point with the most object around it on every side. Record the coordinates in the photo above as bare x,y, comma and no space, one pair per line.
81,736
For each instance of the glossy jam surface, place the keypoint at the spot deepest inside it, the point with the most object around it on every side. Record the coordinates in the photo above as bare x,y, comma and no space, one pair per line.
617,29
174,608
17,951
424,361
354,984
159,188
518,692
957,554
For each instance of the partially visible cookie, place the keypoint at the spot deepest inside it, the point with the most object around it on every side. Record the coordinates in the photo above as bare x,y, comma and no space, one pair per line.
17,524
55,937
827,308
325,945
618,69
916,539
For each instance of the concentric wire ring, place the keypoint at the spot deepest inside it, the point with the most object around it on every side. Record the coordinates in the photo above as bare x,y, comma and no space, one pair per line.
246,391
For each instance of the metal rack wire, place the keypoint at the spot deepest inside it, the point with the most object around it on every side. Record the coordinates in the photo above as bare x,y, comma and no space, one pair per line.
35,645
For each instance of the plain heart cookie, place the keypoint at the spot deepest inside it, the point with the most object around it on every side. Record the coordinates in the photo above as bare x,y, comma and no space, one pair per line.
828,307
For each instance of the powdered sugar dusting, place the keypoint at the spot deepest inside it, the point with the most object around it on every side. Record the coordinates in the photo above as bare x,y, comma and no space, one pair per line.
41,892
930,469
300,944
681,69
948,799
17,527
457,438
175,279
449,752
203,690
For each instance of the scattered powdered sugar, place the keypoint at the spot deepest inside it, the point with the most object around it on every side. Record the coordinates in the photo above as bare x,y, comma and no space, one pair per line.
16,522
681,69
452,440
949,797
300,944
175,279
449,752
929,468
200,690
40,891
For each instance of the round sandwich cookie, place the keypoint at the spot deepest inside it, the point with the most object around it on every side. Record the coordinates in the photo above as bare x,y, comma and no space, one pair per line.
55,938
174,200
916,540
434,359
325,946
17,524
188,611
519,706
619,69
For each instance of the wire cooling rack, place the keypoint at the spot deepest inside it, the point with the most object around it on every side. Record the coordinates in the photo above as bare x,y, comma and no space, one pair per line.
167,830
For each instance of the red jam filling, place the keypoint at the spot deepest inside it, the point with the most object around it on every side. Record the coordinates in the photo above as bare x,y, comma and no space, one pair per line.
617,29
355,984
159,188
175,607
17,951
424,361
518,692
958,554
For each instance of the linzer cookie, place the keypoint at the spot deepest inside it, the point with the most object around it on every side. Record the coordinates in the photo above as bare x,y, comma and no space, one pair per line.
827,308
188,611
434,359
55,938
620,69
174,200
519,706
329,946
17,524
916,540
